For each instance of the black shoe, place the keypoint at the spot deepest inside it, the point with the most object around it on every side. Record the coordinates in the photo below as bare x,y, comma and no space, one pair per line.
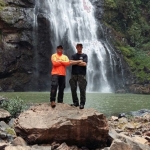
75,104
81,106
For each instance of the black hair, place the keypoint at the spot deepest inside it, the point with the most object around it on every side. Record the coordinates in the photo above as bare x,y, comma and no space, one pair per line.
79,44
59,47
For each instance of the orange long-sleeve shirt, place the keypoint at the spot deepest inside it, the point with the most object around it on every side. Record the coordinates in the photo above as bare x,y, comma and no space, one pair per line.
59,64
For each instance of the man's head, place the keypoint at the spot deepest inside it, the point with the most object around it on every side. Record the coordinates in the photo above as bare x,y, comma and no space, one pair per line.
59,50
79,47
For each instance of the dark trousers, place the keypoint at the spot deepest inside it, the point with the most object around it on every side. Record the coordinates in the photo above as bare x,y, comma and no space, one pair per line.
57,81
81,80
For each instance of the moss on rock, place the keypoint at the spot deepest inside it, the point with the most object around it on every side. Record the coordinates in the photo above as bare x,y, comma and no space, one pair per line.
2,4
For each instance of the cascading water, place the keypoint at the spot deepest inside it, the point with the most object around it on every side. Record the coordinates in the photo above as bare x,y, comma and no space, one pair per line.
73,21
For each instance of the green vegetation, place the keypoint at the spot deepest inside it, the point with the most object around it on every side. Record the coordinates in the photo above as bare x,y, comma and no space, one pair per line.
10,131
130,20
14,106
2,4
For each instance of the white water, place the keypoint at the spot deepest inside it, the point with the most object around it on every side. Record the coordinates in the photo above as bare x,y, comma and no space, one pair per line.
73,21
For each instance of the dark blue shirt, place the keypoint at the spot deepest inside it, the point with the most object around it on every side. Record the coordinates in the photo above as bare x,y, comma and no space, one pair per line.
79,70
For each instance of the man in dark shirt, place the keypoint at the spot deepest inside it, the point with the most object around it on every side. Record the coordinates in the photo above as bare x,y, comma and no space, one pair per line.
78,75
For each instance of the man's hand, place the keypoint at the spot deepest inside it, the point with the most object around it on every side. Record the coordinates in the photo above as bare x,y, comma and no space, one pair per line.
80,61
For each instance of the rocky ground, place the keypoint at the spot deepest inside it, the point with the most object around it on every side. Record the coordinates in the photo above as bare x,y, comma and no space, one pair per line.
31,129
135,126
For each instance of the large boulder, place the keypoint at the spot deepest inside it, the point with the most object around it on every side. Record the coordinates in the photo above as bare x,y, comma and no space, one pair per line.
43,124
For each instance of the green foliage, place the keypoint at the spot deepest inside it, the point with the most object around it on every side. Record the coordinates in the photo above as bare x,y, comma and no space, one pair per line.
146,47
110,4
127,51
14,106
2,4
130,19
10,131
137,60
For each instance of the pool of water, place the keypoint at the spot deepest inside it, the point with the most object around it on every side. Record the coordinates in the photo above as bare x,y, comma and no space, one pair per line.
106,103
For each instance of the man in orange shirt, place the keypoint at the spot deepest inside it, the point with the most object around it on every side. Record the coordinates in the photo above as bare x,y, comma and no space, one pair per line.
59,64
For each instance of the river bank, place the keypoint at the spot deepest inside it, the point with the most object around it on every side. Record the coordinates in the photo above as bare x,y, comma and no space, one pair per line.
107,103
130,132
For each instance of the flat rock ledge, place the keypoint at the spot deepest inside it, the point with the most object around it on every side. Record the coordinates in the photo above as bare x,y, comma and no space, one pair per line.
64,123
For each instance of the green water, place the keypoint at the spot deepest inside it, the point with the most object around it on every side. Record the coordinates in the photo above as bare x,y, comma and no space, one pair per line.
108,104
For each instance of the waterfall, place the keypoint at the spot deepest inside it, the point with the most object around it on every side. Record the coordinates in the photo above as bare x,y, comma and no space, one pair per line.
73,21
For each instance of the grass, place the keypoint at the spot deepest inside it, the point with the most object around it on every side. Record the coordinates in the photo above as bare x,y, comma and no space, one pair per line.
28,97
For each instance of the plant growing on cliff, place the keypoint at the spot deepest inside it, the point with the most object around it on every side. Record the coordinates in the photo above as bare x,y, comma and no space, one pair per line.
2,4
14,106
129,20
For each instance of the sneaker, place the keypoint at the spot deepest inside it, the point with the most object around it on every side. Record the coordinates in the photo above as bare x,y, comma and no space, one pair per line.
53,104
81,106
75,104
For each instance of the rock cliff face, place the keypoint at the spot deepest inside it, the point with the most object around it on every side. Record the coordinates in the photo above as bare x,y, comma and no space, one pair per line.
25,46
16,44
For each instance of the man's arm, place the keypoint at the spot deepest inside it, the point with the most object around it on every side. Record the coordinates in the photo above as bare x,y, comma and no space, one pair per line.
66,62
55,62
82,64
75,62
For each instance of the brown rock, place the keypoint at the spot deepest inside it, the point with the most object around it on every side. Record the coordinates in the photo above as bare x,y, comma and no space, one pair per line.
114,118
4,114
19,141
147,133
140,140
129,126
3,145
63,146
132,142
35,147
119,145
17,148
43,124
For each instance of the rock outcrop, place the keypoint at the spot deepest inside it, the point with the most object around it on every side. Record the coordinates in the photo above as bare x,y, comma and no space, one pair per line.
43,124
16,44
140,89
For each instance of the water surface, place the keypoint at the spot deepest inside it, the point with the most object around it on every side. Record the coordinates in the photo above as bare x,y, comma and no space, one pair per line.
106,103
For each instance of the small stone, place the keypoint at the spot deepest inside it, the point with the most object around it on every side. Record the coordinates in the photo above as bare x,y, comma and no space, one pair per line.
114,118
3,135
138,133
123,120
147,133
140,140
19,141
129,126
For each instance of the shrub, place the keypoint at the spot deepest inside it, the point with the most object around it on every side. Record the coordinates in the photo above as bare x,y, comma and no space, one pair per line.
14,106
